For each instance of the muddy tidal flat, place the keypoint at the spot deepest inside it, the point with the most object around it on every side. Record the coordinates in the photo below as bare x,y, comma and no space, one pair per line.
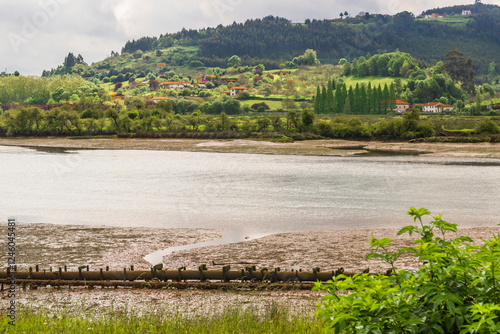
309,147
118,247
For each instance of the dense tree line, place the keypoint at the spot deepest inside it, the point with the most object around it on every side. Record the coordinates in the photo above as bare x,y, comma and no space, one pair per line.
363,99
448,82
395,64
36,90
139,119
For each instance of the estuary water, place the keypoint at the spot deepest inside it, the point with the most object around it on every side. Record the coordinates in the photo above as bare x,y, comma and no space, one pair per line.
244,193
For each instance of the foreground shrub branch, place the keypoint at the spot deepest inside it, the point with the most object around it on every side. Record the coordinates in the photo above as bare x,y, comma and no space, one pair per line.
454,291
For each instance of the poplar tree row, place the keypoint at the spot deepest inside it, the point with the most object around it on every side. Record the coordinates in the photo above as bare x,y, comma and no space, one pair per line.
362,99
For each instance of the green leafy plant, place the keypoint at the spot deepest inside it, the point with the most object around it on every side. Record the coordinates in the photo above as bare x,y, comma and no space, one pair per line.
454,291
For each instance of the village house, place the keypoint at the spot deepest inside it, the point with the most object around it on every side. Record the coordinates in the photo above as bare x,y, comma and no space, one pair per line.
172,85
117,96
235,91
466,12
435,107
157,99
401,106
208,78
434,16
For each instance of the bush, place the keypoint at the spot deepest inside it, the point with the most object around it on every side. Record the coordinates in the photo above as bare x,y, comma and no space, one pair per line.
455,291
196,63
256,106
282,139
487,126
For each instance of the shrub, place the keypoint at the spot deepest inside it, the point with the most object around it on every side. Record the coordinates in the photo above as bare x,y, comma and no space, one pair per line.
256,106
282,139
487,126
455,291
196,63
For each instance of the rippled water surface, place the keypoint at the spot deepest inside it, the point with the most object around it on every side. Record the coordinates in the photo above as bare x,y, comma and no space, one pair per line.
249,193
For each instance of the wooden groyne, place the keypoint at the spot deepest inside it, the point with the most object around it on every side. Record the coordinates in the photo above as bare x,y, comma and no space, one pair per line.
248,278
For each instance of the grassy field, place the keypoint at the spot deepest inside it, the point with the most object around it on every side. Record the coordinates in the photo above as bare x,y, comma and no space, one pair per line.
457,21
274,319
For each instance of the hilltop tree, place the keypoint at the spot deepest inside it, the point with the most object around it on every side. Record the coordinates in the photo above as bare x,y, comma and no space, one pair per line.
308,58
403,20
70,60
460,69
234,61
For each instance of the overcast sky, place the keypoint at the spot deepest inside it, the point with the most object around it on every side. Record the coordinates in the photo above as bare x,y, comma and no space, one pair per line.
38,34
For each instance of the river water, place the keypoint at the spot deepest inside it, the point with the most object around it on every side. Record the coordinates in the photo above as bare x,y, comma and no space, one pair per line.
247,194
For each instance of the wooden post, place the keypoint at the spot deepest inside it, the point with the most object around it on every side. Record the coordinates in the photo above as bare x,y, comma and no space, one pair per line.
250,272
224,273
60,273
132,268
201,268
36,268
124,274
65,268
107,268
88,267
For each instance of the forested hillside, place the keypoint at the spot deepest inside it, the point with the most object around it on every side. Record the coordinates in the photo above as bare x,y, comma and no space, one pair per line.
274,40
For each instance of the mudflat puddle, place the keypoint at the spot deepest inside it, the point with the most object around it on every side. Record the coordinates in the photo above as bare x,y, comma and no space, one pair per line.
228,237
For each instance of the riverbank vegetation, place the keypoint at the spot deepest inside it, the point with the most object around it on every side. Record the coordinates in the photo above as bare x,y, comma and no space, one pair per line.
226,120
273,319
455,290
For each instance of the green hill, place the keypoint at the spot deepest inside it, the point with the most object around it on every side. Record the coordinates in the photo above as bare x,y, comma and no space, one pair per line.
275,41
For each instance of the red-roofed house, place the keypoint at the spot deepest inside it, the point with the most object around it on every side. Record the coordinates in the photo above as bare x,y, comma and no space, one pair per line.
401,106
207,78
172,85
158,99
434,16
236,90
117,96
435,107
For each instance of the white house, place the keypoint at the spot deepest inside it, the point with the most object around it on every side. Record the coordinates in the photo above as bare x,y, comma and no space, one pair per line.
466,12
401,106
435,107
236,90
